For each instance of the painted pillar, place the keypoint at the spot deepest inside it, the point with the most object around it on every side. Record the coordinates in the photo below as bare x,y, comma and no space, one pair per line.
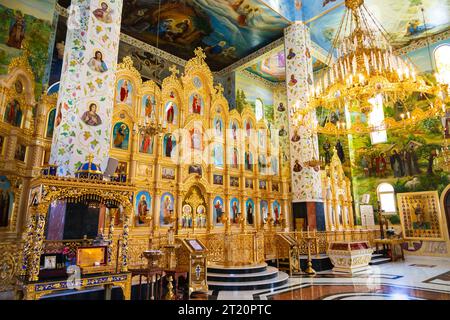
306,182
87,84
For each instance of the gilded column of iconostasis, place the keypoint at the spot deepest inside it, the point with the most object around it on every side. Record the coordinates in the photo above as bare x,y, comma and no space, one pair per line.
17,148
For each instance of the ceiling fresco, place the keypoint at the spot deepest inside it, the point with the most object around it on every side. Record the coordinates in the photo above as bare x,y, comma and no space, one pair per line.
273,67
227,30
401,19
284,7
312,9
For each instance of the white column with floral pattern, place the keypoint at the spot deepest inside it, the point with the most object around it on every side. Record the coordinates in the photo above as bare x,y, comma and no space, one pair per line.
306,183
85,101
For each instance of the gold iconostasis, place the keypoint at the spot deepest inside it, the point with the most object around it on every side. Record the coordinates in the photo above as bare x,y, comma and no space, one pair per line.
198,160
186,154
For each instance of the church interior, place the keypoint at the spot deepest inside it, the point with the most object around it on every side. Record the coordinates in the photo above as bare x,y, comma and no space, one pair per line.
224,150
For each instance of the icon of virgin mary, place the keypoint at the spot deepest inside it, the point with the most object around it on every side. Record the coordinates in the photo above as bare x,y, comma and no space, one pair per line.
96,63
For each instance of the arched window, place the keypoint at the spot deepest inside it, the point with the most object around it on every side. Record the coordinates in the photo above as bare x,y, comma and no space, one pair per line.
386,196
259,109
441,55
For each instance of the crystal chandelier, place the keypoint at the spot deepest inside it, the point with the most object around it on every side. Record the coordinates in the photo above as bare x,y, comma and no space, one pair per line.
362,68
151,127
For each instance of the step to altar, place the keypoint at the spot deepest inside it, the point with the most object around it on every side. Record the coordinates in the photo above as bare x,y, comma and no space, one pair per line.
319,263
379,258
249,277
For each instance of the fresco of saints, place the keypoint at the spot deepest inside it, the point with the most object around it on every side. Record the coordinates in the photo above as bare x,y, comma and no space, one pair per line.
295,136
142,210
264,212
201,216
196,139
247,128
96,63
90,117
170,113
219,210
186,218
248,160
297,166
104,14
13,113
169,144
234,161
51,123
276,212
218,126
234,130
196,104
167,209
235,211
124,92
17,32
146,144
4,207
250,213
149,107
218,155
120,136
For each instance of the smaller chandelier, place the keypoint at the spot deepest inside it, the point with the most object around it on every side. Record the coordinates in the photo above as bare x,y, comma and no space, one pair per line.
151,127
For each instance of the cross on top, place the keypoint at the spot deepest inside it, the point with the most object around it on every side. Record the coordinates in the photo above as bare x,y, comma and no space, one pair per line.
199,53
173,69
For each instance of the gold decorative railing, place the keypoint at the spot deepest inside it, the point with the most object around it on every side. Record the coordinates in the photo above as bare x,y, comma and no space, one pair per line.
273,248
234,248
231,249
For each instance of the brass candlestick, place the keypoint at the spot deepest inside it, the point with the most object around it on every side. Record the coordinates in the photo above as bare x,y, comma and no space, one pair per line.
270,223
226,222
309,270
170,295
242,223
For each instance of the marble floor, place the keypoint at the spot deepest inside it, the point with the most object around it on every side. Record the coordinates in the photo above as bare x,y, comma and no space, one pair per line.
412,279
